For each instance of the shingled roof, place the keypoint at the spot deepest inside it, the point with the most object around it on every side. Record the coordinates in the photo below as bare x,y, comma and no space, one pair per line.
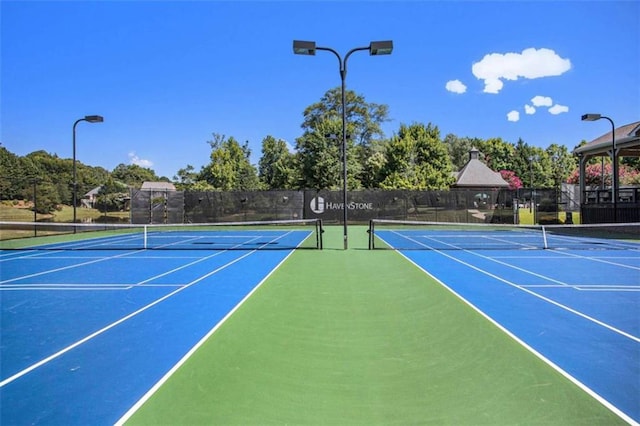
627,142
475,174
158,186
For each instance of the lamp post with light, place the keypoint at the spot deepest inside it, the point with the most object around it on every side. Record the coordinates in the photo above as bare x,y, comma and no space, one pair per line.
614,160
90,119
375,48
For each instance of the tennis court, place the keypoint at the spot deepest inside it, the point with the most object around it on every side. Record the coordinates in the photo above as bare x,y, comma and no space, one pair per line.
261,336
575,304
89,323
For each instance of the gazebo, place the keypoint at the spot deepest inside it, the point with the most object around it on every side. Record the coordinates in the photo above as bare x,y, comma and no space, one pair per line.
476,175
601,205
481,184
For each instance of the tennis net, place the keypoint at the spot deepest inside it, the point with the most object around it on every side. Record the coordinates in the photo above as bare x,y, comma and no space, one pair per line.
408,235
263,235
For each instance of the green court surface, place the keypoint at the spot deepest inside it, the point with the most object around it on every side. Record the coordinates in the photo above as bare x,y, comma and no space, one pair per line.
363,337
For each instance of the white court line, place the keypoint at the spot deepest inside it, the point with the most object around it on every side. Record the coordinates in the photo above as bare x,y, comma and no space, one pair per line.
101,259
77,287
601,260
581,287
118,322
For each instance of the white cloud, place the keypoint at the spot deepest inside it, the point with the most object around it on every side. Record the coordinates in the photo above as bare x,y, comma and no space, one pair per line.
134,159
529,109
541,101
513,116
558,109
455,86
530,63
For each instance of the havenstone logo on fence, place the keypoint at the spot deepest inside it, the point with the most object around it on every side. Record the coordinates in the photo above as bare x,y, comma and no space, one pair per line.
319,205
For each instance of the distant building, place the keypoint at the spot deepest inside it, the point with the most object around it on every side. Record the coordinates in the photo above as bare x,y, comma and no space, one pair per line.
157,186
90,198
476,174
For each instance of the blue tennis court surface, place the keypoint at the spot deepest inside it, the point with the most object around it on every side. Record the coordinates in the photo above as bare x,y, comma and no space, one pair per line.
85,334
579,310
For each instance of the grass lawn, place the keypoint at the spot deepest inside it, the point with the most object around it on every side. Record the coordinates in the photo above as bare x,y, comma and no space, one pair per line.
361,337
12,213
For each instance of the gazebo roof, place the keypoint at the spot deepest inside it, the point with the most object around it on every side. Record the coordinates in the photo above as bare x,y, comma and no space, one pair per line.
627,142
475,174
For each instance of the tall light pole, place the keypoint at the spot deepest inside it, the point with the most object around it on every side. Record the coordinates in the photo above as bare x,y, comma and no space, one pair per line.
375,48
90,119
614,160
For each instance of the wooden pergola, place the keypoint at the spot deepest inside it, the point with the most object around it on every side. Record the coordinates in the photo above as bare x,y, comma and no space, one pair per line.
602,205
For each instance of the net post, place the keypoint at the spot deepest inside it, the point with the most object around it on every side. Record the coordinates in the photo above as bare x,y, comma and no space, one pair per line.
144,230
319,231
370,232
544,238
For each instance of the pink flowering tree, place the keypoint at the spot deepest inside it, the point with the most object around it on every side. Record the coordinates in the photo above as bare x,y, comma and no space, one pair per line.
594,175
511,178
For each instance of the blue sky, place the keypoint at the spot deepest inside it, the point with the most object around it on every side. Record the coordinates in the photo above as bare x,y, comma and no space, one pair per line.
168,74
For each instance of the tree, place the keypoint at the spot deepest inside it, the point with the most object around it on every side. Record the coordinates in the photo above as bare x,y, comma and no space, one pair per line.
133,174
112,195
365,119
277,166
459,148
599,175
417,159
16,173
498,154
562,163
533,165
509,176
186,178
319,154
48,198
230,168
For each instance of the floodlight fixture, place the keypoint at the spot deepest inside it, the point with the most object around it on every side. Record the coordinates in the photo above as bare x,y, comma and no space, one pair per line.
381,47
304,47
94,118
591,117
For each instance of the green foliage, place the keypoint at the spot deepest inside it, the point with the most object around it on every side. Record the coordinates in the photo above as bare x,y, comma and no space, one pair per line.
186,178
112,196
47,198
364,118
458,149
498,154
562,163
16,173
319,156
134,175
417,159
230,167
277,167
